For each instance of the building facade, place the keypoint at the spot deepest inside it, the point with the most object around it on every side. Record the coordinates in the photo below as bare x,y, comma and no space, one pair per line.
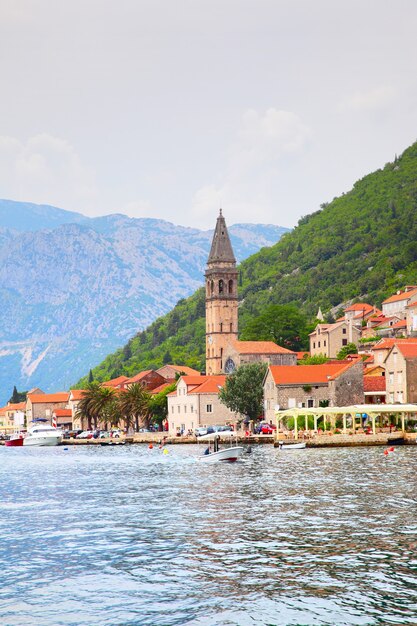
338,384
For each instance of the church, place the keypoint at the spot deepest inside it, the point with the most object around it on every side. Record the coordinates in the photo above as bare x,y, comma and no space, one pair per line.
224,351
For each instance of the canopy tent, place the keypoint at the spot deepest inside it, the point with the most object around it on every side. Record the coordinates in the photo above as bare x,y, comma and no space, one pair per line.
354,411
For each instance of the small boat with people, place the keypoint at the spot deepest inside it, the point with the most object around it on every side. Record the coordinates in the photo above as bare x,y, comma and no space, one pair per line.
15,441
282,445
43,434
213,453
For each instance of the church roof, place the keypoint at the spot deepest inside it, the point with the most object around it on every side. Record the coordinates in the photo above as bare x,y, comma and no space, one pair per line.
260,347
221,248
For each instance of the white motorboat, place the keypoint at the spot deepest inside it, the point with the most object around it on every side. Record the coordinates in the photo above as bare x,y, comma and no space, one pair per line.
291,446
228,455
43,434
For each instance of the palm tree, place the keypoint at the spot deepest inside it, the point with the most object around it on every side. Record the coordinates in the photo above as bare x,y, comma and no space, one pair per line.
95,403
134,403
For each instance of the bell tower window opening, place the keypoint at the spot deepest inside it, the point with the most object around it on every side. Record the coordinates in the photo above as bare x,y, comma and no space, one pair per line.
230,286
231,327
212,287
221,286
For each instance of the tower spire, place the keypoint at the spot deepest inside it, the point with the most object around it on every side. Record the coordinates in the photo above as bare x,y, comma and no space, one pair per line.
221,248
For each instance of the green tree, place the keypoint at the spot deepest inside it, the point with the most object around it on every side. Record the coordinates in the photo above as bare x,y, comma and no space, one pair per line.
243,391
90,376
350,348
134,405
18,396
282,323
167,358
95,403
314,359
158,404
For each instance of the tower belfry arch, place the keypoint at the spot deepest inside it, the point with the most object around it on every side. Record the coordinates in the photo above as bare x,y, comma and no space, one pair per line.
221,298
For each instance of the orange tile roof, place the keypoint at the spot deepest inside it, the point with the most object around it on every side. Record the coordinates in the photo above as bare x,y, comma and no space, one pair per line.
412,305
193,380
3,410
63,413
400,324
210,385
260,347
115,381
49,398
17,406
308,374
301,355
404,295
77,394
188,371
138,377
159,389
363,309
386,344
408,350
374,383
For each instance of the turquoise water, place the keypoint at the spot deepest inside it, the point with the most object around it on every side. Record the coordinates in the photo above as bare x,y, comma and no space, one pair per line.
127,536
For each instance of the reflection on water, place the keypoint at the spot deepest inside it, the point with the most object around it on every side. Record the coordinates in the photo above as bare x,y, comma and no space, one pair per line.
126,536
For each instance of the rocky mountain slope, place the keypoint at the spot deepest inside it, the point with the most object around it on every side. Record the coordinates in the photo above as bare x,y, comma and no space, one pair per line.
73,289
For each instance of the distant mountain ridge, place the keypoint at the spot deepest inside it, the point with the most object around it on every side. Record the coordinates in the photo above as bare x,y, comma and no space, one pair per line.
360,246
74,288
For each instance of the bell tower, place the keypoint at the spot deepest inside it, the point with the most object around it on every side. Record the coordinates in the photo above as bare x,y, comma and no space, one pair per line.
221,298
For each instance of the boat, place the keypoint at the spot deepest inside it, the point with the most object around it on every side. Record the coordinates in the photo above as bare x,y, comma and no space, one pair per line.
43,434
16,440
228,455
396,441
291,446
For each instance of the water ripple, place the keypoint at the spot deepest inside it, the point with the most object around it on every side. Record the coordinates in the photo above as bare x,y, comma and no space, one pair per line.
127,536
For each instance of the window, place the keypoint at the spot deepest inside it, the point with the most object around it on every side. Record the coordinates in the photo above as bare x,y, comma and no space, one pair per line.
324,343
192,408
231,327
221,286
230,286
344,331
178,409
391,378
344,342
318,344
172,408
185,408
221,327
209,408
314,344
310,403
400,378
212,287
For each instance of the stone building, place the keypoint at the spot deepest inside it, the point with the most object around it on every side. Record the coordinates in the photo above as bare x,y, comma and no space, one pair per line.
195,402
42,405
170,372
401,372
398,303
7,416
287,387
242,352
329,339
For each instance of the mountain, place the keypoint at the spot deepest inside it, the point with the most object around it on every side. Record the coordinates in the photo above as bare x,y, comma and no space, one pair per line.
360,246
75,288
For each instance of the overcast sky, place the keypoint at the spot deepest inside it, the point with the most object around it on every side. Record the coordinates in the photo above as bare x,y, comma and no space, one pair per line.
173,108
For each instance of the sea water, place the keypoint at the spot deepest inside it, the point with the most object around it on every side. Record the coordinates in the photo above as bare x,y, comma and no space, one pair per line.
129,536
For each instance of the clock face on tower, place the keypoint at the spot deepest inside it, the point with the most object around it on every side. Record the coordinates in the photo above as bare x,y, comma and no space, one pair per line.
229,366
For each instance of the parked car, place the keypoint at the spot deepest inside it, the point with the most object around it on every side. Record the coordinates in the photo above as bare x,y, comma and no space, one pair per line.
200,431
267,429
116,433
85,434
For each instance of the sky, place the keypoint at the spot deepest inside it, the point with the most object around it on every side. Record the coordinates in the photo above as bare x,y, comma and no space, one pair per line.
174,108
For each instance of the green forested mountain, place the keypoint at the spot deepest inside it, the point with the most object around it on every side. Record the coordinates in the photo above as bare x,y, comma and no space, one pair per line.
362,245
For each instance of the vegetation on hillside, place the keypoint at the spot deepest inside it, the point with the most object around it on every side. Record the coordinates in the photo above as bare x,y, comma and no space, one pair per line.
360,246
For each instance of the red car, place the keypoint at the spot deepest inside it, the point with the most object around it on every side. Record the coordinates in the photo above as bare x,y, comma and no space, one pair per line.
267,429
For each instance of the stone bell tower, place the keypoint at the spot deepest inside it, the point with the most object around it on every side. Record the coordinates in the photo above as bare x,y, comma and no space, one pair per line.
221,298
